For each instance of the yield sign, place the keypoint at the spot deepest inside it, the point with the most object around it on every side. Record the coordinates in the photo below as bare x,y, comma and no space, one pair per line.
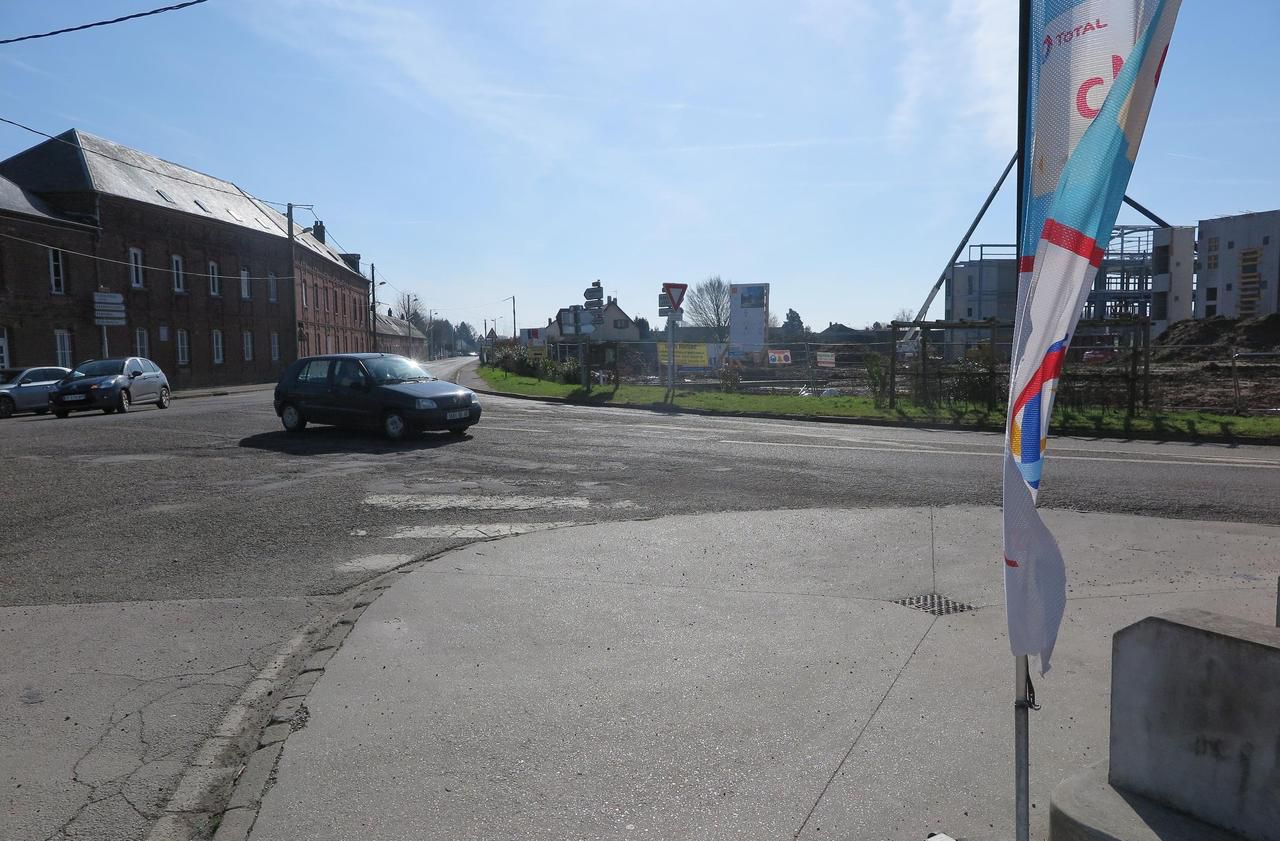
675,293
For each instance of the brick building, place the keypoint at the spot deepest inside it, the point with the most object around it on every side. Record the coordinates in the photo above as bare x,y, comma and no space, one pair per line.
41,307
216,291
396,335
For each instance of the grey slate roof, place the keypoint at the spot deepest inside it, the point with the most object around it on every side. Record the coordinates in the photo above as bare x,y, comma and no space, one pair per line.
77,161
15,200
389,326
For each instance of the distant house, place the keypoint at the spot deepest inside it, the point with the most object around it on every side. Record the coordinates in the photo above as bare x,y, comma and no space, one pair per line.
617,326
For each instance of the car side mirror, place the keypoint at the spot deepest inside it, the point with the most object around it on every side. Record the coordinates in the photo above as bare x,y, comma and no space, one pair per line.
26,381
134,374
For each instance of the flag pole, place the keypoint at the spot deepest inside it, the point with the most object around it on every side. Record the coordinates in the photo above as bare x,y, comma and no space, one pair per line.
1022,704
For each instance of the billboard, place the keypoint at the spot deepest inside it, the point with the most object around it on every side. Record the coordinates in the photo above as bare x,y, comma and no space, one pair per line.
748,318
688,355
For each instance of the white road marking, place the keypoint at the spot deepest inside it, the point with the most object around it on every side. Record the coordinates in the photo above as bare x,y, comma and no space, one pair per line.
474,531
441,502
1207,461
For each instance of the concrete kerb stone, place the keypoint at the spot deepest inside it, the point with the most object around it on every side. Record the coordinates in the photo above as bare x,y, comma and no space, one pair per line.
251,727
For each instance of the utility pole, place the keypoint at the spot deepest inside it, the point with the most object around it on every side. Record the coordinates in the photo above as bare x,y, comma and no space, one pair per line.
515,332
373,304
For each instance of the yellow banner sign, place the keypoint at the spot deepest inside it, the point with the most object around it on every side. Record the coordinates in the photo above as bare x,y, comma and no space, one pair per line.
688,354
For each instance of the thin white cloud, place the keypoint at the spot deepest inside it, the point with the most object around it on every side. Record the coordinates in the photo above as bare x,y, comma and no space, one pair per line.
917,72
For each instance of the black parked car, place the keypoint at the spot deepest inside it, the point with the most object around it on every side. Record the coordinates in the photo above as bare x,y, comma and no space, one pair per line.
112,385
376,390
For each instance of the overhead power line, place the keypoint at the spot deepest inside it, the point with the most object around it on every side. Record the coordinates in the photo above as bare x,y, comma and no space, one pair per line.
238,193
164,269
82,26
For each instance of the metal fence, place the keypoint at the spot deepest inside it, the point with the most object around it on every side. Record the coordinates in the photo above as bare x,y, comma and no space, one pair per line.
1119,371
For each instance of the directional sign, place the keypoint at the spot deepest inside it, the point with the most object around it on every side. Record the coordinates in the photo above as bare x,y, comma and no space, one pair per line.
108,298
593,293
675,291
667,312
105,308
109,322
663,300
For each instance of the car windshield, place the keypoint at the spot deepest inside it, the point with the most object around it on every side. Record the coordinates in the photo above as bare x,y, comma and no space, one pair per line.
97,368
10,375
395,369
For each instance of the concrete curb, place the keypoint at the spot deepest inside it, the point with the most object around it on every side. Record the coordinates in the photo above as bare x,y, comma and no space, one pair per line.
188,393
222,790
848,421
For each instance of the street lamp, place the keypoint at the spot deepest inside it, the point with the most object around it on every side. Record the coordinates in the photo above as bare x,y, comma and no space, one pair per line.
373,303
514,334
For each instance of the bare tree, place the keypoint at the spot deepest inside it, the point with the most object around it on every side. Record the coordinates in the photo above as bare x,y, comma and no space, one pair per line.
708,306
905,314
408,307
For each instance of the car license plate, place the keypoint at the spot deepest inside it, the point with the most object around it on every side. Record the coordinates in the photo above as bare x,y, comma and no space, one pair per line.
73,397
465,413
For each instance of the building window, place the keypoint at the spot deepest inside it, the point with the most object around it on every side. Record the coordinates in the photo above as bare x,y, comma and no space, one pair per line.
215,280
184,347
1210,310
1249,262
1213,244
1266,240
165,196
217,347
304,294
179,279
4,347
57,277
271,287
1228,287
62,347
1231,244
247,338
1213,261
246,287
275,346
136,276
621,324
1211,293
141,345
969,312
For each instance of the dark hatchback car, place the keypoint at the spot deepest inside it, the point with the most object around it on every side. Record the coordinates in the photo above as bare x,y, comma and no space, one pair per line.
112,385
373,390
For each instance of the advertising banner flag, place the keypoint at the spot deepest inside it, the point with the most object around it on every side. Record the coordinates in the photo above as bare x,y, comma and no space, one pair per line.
1094,69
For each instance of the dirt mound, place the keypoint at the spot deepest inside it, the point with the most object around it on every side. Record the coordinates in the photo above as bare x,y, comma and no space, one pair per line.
1213,338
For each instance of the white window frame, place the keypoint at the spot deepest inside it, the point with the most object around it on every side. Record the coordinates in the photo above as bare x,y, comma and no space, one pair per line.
246,339
179,275
246,286
184,347
57,272
141,343
303,285
275,346
215,279
4,347
272,292
62,347
137,273
219,351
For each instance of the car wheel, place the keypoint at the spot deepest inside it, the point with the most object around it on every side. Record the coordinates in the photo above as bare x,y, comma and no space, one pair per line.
458,430
394,426
123,402
165,396
292,419
6,407
60,414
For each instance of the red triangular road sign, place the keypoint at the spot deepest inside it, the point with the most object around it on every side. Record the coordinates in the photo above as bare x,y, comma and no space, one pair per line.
493,334
675,293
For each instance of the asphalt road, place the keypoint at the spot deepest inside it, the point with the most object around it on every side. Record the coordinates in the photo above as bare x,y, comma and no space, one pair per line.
209,510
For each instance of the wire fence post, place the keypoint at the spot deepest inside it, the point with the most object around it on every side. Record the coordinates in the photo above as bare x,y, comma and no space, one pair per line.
924,367
893,366
1146,364
1133,374
1235,381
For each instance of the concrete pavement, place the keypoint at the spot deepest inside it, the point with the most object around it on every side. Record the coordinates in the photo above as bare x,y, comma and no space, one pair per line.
738,675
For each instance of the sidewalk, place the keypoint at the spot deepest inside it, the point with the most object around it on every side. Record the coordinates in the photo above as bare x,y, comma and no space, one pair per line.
222,391
730,676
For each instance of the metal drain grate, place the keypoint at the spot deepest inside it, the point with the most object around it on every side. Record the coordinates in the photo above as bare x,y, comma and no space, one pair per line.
934,603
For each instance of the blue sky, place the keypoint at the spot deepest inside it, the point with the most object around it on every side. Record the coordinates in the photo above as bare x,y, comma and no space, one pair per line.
836,149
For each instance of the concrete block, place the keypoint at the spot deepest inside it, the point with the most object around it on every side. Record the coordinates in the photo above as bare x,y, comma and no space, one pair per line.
302,684
235,825
274,733
202,789
1086,807
1194,722
253,780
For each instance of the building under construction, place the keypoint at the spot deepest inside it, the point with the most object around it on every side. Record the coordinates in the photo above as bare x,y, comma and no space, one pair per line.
1147,272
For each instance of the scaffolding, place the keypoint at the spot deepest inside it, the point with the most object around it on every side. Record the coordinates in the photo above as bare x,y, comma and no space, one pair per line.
1122,288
